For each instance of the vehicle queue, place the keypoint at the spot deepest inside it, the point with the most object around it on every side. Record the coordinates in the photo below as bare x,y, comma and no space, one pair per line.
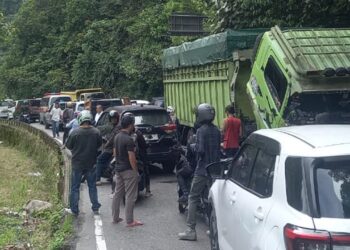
272,169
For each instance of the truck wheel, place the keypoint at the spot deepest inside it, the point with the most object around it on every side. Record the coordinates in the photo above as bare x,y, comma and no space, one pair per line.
168,167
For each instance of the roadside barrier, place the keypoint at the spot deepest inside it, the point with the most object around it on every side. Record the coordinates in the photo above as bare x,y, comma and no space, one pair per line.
43,149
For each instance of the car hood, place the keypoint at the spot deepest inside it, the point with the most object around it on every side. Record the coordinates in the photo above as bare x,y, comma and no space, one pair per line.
2,108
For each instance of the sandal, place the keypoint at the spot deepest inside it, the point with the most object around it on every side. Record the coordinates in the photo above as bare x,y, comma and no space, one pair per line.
135,223
118,221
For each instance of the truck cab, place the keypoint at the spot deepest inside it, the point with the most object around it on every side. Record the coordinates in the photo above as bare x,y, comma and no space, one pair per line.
301,77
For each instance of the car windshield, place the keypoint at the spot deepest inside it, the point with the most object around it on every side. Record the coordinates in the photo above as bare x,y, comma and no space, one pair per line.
331,185
318,108
151,117
4,104
81,107
60,99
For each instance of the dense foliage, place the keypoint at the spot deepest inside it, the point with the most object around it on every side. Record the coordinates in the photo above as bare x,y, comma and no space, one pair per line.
51,45
290,13
115,44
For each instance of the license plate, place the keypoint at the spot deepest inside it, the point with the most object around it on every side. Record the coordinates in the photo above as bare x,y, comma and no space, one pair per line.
151,137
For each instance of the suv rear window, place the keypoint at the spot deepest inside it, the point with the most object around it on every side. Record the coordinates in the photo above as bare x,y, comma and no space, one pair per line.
151,117
34,103
44,102
330,185
333,187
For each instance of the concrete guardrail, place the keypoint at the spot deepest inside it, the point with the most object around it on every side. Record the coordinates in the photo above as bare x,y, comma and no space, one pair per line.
21,135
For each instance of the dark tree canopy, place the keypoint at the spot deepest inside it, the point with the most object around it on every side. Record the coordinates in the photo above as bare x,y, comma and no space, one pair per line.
291,13
52,45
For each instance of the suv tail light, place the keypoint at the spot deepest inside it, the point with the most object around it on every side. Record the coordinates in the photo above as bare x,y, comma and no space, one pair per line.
169,128
297,238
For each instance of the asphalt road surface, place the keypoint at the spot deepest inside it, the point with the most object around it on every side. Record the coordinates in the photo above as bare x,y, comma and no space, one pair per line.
159,213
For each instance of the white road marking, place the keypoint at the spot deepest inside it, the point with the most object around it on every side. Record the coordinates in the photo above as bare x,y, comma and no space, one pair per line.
100,239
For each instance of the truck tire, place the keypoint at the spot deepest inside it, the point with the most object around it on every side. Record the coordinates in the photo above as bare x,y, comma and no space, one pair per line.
168,166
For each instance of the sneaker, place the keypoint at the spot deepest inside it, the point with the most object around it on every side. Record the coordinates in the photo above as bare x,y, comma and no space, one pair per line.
98,183
69,211
189,234
148,194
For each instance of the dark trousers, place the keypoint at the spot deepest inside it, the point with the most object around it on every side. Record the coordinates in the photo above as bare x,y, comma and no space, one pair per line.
65,134
147,178
230,152
184,184
75,189
102,163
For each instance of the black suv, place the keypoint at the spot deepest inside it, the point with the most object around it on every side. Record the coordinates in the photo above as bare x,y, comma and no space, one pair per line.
157,129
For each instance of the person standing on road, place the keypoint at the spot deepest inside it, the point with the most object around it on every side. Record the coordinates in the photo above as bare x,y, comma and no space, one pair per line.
68,115
84,143
56,115
99,110
107,154
127,174
232,131
207,148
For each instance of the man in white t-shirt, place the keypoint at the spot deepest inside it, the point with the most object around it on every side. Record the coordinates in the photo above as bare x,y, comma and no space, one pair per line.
56,115
99,110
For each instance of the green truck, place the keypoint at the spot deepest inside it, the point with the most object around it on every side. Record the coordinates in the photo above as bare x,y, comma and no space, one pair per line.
274,78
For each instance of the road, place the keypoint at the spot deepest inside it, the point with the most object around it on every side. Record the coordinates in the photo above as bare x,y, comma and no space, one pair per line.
159,214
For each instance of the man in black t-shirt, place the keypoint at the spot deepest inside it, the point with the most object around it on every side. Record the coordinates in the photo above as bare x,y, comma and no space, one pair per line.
126,172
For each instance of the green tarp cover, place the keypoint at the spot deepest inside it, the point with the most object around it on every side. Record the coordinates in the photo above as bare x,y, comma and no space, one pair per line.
211,48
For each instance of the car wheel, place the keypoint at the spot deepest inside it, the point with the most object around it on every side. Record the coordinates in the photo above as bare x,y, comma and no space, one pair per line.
214,239
168,167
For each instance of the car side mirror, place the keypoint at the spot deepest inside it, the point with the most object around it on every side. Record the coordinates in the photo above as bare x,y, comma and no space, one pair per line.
218,170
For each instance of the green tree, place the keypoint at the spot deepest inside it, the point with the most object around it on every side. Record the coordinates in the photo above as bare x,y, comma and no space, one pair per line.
239,14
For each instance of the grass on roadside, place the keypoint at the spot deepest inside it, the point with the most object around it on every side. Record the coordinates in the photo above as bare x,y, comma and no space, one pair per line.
22,180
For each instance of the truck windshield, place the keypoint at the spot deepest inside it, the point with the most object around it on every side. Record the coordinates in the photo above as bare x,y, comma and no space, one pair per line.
318,108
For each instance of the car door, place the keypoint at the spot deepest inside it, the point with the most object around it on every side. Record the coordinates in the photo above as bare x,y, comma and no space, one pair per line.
232,196
256,202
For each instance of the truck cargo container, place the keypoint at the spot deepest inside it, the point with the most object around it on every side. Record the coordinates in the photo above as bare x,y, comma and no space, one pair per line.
274,78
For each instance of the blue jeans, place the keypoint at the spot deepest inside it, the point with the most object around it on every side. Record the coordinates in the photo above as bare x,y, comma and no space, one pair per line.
75,189
102,163
55,128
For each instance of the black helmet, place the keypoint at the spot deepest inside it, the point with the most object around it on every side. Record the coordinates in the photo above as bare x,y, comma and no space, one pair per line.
205,113
113,114
127,119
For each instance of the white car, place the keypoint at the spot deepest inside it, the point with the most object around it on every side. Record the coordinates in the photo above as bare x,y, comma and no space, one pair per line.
287,188
5,113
